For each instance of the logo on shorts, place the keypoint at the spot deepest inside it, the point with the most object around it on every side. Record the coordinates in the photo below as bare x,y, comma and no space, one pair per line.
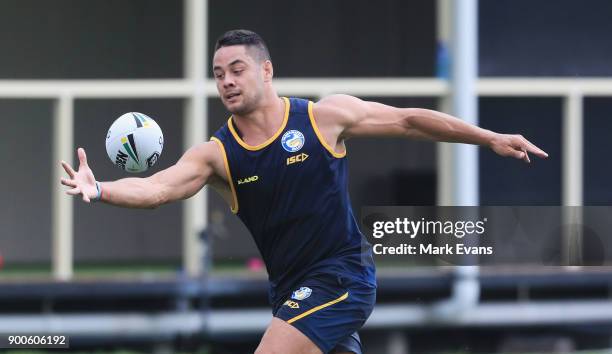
302,293
292,304
292,140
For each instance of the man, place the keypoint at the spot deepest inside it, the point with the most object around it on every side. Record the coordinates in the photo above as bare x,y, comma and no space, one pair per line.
280,165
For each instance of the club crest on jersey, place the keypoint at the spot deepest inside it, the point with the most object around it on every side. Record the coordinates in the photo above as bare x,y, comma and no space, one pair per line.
302,293
292,140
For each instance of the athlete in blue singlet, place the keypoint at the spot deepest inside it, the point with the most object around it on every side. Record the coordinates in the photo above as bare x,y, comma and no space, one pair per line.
291,192
280,164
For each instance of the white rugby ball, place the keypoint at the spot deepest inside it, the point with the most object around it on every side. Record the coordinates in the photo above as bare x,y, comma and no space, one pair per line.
134,142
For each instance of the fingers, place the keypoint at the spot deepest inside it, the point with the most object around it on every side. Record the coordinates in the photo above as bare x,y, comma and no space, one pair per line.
526,156
68,182
536,150
77,191
520,153
68,169
517,154
529,146
518,147
74,191
82,157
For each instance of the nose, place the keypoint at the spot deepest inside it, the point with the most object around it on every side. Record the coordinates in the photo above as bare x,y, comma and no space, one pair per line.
228,81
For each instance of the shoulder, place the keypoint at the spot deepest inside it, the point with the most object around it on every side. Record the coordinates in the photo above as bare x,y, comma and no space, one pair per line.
207,149
338,109
333,115
337,104
203,156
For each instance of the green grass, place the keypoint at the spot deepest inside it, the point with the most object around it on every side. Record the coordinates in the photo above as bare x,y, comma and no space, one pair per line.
101,270
167,269
34,271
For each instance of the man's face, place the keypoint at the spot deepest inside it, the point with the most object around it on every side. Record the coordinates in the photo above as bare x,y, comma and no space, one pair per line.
239,78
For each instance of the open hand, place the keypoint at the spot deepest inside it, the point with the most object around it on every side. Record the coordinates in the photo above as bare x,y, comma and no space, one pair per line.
82,181
515,146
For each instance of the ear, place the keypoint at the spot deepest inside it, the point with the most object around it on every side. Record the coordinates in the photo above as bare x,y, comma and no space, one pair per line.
268,71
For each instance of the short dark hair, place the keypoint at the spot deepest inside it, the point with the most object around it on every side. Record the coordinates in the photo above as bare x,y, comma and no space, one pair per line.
247,38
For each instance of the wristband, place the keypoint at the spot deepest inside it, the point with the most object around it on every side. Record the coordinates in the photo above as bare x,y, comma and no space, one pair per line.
99,194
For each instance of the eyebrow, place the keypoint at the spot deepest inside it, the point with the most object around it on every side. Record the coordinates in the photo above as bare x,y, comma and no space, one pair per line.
237,61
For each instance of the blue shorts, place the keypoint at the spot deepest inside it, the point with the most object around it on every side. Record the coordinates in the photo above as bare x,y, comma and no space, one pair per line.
329,310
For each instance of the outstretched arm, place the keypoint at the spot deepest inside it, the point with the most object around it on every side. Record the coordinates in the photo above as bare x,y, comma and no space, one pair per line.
180,181
343,117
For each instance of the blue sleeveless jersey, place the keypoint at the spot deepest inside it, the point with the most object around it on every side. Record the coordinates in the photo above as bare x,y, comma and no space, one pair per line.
291,192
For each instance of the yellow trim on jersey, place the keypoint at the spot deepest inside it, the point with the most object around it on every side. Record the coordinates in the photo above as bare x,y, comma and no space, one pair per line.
320,136
234,206
320,307
267,142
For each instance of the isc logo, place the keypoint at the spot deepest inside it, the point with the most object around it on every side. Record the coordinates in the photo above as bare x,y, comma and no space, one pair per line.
248,179
292,304
297,158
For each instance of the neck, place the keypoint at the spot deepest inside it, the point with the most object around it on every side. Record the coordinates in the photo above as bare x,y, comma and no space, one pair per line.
263,122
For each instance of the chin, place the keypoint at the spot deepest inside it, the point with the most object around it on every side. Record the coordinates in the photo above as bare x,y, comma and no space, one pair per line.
234,108
231,107
239,108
